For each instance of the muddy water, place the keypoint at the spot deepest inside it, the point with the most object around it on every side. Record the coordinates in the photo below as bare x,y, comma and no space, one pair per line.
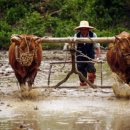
61,109
66,113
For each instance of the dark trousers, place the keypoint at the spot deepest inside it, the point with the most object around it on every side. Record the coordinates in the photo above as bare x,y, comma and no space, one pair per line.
85,68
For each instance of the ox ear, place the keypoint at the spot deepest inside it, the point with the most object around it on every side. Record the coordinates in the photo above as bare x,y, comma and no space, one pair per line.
15,38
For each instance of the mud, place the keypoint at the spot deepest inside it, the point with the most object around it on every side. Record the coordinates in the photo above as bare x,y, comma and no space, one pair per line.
71,108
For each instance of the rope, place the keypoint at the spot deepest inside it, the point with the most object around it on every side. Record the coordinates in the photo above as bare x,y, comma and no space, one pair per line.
66,55
93,60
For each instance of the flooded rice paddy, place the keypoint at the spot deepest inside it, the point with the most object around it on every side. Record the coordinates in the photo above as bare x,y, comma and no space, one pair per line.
72,108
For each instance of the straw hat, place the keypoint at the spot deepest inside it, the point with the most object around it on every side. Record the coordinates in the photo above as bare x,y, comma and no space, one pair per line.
84,24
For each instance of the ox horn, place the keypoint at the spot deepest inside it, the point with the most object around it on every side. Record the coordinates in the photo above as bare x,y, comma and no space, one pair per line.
35,38
15,36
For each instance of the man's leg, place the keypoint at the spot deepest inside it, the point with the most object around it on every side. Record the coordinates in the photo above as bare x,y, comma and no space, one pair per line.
91,77
91,72
82,68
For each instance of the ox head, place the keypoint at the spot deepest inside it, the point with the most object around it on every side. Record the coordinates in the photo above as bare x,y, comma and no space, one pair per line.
26,42
26,48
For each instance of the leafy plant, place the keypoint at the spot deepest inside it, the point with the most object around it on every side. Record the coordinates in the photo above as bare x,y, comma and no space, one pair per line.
58,18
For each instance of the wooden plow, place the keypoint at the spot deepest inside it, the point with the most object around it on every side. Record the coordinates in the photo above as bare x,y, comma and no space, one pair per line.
73,70
72,42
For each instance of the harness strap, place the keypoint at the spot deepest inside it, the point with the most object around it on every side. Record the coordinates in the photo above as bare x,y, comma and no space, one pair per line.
25,58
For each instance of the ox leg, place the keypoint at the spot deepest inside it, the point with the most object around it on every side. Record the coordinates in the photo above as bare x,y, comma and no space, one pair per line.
31,78
20,80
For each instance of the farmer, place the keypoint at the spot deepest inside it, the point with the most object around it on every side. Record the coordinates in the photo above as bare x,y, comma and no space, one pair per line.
85,50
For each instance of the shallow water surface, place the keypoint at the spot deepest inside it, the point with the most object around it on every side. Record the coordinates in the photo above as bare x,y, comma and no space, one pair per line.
66,113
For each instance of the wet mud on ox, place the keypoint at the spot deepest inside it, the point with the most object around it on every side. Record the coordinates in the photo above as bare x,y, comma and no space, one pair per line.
25,55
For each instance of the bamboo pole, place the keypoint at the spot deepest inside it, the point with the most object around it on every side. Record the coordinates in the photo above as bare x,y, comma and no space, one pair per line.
78,40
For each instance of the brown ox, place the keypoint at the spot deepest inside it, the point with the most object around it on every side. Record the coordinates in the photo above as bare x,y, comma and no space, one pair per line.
118,56
25,55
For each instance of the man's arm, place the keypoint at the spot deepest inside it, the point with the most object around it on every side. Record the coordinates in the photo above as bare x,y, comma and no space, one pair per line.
97,47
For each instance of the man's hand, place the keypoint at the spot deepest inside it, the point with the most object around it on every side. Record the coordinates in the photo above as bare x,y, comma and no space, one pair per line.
66,47
98,51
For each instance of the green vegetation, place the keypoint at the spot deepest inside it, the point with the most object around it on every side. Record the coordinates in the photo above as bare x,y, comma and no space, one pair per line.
59,17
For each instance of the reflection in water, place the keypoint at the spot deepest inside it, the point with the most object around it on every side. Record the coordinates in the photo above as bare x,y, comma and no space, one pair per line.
121,123
14,124
91,119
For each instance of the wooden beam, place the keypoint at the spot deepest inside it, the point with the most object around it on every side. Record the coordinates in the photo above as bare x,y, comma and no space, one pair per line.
72,87
78,40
